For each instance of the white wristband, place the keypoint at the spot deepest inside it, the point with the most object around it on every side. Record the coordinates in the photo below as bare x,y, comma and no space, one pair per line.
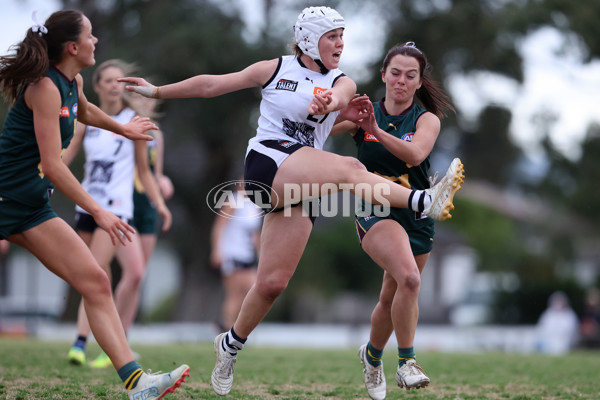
146,91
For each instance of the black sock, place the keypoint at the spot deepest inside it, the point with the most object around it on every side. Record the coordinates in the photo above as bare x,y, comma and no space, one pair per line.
80,342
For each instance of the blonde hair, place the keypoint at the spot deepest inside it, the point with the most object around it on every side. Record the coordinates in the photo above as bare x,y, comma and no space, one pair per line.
127,69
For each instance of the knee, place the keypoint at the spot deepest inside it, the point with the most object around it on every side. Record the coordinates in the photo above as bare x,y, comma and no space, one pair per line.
133,278
97,286
271,289
349,167
352,166
411,282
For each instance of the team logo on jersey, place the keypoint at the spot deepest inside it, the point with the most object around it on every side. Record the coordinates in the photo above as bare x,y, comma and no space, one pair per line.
101,171
369,137
318,90
408,136
64,112
300,131
286,84
74,109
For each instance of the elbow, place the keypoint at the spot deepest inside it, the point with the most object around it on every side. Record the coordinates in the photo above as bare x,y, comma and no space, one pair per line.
416,159
50,170
53,168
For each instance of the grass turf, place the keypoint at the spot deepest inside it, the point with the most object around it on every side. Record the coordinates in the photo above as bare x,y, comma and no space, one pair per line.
31,369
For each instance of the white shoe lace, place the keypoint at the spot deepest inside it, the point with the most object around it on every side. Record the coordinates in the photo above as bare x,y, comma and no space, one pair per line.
149,372
225,368
373,376
414,370
433,180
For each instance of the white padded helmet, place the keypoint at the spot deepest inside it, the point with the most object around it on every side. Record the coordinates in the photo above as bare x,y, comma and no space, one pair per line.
312,23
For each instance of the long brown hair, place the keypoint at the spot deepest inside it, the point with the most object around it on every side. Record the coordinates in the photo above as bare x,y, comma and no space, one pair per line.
430,94
37,52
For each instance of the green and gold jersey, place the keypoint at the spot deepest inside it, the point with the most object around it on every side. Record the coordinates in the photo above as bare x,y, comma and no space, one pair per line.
382,162
21,175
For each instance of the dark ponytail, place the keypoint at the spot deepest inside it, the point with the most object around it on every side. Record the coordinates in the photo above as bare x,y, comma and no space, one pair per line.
31,58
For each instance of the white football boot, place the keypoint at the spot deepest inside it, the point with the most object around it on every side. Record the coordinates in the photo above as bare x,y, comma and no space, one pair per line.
443,192
222,375
374,376
411,376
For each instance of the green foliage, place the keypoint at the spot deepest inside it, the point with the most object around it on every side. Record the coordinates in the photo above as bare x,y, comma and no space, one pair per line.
495,237
334,261
162,312
492,132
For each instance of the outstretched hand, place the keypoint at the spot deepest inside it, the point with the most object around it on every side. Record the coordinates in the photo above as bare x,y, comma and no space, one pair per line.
140,85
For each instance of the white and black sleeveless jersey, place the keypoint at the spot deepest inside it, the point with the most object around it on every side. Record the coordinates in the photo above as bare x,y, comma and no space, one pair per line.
284,105
109,167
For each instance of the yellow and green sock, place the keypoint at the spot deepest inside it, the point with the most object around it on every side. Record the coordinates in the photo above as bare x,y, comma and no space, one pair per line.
130,374
405,354
374,355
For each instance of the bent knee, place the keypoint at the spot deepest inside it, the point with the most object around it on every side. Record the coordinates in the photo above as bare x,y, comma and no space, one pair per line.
95,285
353,165
271,289
349,167
412,282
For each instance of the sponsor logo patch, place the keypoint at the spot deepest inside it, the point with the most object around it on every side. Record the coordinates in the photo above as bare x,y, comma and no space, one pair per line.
64,111
286,84
369,137
286,144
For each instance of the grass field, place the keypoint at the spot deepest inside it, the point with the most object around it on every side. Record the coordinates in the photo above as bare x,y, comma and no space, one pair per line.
31,369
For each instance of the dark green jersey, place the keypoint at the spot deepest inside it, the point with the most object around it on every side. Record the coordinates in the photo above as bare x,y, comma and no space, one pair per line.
382,162
21,175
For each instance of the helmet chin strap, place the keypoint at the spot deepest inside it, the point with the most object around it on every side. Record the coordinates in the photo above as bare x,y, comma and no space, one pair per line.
322,66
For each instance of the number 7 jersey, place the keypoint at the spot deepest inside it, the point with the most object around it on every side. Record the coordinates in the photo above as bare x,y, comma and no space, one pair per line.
109,167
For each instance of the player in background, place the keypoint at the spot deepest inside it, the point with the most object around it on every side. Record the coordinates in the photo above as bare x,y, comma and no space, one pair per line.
145,216
110,166
235,242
